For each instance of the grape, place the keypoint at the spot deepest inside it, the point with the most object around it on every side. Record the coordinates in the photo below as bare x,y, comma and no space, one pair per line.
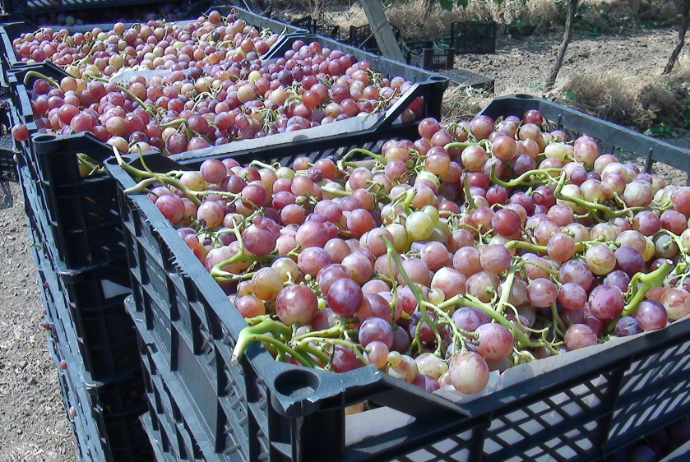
258,240
629,260
402,367
561,247
576,271
431,365
600,259
542,292
171,207
375,329
572,296
580,336
377,354
469,318
482,285
449,281
360,267
627,325
618,279
606,302
495,341
495,259
266,284
419,226
651,315
676,302
250,306
345,297
296,304
344,359
468,373
642,453
506,222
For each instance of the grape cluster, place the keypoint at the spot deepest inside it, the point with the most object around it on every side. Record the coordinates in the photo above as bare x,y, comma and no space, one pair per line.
480,245
218,91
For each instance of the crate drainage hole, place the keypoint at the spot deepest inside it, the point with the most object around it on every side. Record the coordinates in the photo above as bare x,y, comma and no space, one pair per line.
296,383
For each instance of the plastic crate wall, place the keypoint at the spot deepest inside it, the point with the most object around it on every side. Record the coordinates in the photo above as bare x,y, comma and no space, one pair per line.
427,56
477,37
106,423
94,298
363,36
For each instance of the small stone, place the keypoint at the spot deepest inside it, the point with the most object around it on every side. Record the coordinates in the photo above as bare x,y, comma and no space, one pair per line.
33,381
22,364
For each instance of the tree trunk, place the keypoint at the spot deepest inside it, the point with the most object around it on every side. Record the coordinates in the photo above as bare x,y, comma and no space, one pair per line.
681,38
569,24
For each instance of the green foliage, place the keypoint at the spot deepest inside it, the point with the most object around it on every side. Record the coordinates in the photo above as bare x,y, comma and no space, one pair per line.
449,4
660,131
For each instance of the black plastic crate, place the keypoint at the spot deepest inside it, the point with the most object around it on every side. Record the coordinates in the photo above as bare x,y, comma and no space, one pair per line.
106,425
93,297
363,36
162,447
8,167
319,27
282,412
109,412
169,429
475,37
425,55
611,138
82,424
81,214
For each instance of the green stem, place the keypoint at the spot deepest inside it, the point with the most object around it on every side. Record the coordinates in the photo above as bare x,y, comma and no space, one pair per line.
459,144
649,280
522,179
38,75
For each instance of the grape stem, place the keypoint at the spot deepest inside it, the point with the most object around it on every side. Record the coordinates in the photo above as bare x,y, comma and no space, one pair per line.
522,179
506,288
38,75
459,144
647,281
257,333
361,151
424,318
470,200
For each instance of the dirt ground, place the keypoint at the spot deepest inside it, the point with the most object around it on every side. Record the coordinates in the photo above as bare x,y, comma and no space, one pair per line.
523,64
33,424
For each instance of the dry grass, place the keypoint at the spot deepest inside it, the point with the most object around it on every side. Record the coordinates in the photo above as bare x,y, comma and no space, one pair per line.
463,103
637,101
416,23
